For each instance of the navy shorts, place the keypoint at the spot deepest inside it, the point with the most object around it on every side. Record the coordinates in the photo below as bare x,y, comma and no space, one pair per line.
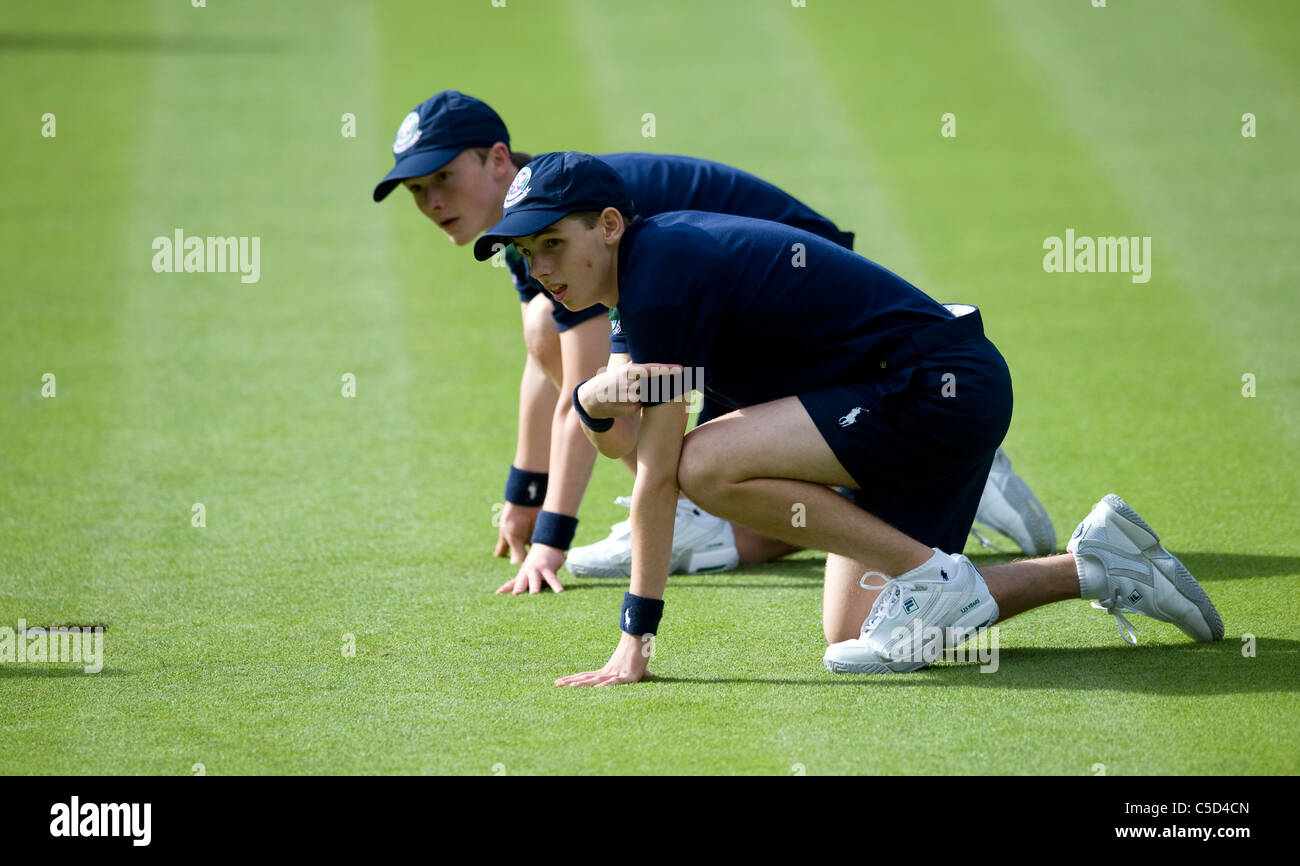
710,409
920,440
564,317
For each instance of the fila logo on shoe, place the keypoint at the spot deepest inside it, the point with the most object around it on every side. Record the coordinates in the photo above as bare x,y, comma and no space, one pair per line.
909,606
1134,597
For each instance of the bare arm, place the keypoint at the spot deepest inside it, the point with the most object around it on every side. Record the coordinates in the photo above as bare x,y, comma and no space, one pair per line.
654,503
537,389
583,348
537,400
620,440
654,496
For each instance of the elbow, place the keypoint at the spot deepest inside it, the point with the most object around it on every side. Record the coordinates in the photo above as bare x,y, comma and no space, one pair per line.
614,443
612,447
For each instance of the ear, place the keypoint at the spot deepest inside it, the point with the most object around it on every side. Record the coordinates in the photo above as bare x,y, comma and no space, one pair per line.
499,156
612,225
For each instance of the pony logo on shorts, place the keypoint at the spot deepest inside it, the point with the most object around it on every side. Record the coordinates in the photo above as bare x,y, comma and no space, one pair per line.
519,187
852,417
408,133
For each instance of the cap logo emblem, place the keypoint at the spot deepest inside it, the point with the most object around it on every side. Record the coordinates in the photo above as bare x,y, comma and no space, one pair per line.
519,187
407,134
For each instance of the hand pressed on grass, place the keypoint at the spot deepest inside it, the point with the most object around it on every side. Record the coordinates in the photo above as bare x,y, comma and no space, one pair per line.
539,568
627,665
517,523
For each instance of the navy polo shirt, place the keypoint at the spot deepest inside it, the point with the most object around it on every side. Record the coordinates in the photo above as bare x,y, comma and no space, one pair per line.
660,183
766,310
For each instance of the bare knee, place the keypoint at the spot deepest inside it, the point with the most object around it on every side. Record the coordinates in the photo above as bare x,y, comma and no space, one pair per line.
701,469
541,336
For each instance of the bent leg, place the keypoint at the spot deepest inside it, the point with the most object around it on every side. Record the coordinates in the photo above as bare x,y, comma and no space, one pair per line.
768,468
754,547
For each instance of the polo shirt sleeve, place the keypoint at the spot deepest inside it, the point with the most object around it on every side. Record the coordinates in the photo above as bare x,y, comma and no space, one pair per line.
524,284
617,339
661,335
671,318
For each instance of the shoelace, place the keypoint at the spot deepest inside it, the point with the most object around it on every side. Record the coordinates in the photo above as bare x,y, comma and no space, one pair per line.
891,595
1127,630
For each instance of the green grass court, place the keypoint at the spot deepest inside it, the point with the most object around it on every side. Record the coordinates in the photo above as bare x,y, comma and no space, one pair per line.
372,516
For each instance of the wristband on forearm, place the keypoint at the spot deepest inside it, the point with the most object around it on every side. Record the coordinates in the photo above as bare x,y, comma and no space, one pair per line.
525,488
640,616
595,425
554,530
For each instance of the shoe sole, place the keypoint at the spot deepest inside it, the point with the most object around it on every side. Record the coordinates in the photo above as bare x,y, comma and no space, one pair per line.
850,668
1041,534
839,667
706,562
583,571
1184,583
609,573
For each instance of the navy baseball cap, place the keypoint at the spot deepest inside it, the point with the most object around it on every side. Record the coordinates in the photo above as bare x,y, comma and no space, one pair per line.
436,131
550,188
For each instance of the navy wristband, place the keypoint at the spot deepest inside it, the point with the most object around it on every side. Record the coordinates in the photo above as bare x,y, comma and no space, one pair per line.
554,530
525,488
595,425
640,616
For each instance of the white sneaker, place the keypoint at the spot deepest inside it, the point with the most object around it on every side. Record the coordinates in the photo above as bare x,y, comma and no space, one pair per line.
1008,506
934,606
701,542
1123,569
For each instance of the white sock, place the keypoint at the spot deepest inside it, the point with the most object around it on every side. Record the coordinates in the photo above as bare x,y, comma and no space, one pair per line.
1092,578
940,562
929,569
